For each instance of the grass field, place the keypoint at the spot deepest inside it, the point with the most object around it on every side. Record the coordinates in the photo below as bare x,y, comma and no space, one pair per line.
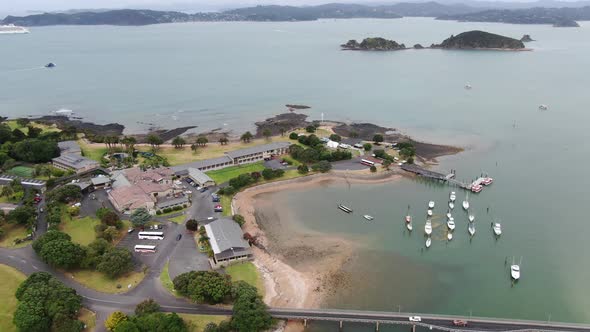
80,229
178,219
88,318
13,125
247,272
94,151
166,281
22,171
226,204
11,279
223,175
197,323
15,198
12,232
99,282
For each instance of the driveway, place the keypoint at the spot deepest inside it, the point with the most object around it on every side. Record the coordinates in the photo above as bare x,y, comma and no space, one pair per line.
349,165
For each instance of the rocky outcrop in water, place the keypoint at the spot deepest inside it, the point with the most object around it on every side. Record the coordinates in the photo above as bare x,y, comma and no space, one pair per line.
526,39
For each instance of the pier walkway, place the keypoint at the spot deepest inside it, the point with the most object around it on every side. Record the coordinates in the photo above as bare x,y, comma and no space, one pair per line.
450,178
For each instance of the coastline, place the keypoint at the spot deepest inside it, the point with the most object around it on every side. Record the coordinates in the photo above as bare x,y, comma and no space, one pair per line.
304,284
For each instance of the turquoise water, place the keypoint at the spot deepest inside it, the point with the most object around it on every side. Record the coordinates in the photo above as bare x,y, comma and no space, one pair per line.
232,74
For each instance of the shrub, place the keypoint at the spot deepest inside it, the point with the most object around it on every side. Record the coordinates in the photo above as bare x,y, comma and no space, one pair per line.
293,136
378,138
302,169
192,225
322,166
373,169
73,211
158,212
310,129
367,146
239,219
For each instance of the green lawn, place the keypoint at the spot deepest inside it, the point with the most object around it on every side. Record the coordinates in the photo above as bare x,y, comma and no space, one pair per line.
178,219
14,198
94,152
247,272
100,282
11,279
166,281
226,204
12,232
223,175
197,323
88,318
45,128
22,171
80,229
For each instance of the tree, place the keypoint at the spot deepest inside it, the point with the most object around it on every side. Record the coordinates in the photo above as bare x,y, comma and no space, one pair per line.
373,169
62,254
202,140
147,307
22,122
140,217
155,141
367,146
34,150
249,312
239,219
386,164
178,142
410,160
302,169
266,133
310,129
293,136
322,166
335,138
223,140
126,326
110,218
129,142
109,234
34,132
378,138
192,225
18,134
203,286
247,137
194,147
64,194
51,235
114,320
23,215
282,130
115,262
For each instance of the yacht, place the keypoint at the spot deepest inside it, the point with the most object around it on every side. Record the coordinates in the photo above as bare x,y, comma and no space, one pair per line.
466,203
409,226
368,217
428,242
471,218
451,224
471,229
429,213
428,228
451,205
12,29
431,205
497,228
452,197
515,271
449,236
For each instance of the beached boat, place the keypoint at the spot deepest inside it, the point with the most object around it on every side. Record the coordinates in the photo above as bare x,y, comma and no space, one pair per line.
471,229
471,218
451,224
428,228
344,208
452,196
431,205
368,217
497,228
449,236
451,205
428,242
429,213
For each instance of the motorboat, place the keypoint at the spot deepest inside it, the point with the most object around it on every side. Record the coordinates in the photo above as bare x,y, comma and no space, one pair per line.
409,226
449,236
451,205
515,271
471,229
344,208
408,219
543,107
428,228
429,213
368,217
431,205
449,216
428,242
468,86
471,218
453,196
497,228
50,65
451,224
466,203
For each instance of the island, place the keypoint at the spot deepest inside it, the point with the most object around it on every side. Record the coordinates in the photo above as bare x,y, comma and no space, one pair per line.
373,44
480,40
526,39
418,47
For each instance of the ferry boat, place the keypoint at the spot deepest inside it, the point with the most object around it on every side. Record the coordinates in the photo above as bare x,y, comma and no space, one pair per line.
12,29
487,181
476,188
344,208
368,217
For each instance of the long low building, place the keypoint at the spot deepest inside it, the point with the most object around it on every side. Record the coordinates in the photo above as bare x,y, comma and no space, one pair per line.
227,242
237,157
74,162
200,178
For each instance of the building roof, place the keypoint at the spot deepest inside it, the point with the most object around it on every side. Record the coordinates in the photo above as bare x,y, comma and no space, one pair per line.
351,141
67,147
100,180
75,161
183,169
167,202
258,149
83,185
153,174
225,234
130,197
199,176
119,180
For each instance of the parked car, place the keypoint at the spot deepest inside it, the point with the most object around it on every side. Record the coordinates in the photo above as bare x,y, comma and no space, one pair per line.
204,189
218,208
130,230
459,322
215,198
178,237
415,319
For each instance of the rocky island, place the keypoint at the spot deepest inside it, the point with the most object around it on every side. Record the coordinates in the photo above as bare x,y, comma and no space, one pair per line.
480,40
373,44
526,39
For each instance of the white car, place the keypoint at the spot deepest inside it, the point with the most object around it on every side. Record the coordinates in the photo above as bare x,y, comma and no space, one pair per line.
415,319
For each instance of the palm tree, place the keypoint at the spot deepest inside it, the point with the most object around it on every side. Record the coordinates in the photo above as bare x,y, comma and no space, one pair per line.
129,142
246,137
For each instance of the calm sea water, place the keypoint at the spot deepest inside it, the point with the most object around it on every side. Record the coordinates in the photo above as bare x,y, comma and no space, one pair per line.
232,74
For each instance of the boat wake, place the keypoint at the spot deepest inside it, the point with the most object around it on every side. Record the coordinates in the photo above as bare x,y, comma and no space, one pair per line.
20,70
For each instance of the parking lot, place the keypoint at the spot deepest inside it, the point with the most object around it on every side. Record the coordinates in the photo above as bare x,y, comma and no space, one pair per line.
170,230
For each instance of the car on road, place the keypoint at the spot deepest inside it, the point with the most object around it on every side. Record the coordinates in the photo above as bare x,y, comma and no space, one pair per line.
218,208
178,237
215,198
459,322
415,318
204,189
130,230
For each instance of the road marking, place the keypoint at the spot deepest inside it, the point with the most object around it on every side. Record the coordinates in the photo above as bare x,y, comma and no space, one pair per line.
36,268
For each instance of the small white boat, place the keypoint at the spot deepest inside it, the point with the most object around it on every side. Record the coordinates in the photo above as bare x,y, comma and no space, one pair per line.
449,236
515,271
429,213
452,197
428,228
408,219
431,205
451,205
449,216
451,224
368,217
409,226
428,242
497,228
471,229
466,205
471,218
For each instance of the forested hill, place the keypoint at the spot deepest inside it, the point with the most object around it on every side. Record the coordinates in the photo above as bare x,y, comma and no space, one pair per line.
480,40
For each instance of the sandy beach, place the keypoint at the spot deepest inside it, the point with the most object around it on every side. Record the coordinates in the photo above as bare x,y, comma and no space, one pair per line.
299,268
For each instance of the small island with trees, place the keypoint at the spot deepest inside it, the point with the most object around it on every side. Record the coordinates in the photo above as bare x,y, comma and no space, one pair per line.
373,44
480,40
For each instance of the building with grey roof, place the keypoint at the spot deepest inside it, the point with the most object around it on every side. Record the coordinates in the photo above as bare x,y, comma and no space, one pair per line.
203,165
164,203
100,181
227,242
6,179
200,178
74,162
67,147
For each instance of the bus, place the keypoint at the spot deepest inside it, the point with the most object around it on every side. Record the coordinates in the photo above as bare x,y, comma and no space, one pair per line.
144,248
150,236
367,162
